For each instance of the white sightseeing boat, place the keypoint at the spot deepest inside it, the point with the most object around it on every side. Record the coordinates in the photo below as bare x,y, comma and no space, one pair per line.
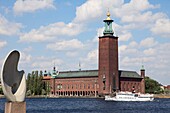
129,96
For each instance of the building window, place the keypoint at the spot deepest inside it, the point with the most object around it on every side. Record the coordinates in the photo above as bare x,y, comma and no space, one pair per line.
93,86
64,86
59,86
88,86
76,86
80,86
103,87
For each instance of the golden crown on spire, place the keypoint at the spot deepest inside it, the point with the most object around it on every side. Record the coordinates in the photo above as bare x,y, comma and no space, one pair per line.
108,16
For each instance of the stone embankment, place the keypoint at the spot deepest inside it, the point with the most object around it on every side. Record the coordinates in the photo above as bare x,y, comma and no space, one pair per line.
161,95
42,96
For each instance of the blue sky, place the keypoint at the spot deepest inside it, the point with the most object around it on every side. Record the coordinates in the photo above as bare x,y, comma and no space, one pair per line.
65,32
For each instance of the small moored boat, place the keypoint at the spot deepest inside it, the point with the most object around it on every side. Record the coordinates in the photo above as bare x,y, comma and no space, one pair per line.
129,96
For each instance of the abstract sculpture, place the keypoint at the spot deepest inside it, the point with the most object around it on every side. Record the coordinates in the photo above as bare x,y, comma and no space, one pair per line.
13,82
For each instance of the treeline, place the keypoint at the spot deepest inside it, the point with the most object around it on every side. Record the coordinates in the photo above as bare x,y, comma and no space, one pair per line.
152,86
35,85
1,92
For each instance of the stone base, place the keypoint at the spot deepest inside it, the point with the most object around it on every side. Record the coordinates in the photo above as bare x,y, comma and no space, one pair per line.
15,107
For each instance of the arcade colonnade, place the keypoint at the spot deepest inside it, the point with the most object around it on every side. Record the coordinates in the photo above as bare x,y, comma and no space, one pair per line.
74,86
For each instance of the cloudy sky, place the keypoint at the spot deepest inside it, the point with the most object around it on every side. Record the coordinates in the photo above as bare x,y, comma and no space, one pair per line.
65,32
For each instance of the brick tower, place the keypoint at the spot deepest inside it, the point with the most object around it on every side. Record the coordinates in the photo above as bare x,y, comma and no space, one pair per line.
143,79
108,60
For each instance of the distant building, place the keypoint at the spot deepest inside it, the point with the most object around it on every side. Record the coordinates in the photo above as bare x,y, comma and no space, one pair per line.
103,81
167,87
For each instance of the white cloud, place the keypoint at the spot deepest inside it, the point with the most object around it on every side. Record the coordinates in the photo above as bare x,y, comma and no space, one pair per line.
28,49
133,44
73,44
133,8
135,14
72,53
88,10
160,63
149,52
125,36
50,32
90,60
155,57
140,5
141,20
162,27
93,9
30,63
132,12
148,42
9,28
2,44
92,55
122,48
22,6
25,58
45,63
141,17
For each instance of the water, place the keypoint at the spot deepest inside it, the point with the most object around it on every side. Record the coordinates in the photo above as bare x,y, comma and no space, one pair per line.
86,105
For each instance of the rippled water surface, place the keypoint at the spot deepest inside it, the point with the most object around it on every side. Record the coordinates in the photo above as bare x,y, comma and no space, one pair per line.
86,105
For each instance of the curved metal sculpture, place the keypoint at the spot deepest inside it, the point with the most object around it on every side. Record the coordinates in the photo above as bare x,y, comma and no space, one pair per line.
13,81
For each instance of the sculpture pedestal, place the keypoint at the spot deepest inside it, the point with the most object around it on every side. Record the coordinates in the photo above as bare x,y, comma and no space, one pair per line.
15,107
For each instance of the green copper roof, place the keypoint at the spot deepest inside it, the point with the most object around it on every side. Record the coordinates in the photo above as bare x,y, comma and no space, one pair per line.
94,73
129,74
142,68
84,73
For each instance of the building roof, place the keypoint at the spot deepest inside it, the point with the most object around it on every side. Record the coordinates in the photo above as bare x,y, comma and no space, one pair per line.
94,73
129,74
83,73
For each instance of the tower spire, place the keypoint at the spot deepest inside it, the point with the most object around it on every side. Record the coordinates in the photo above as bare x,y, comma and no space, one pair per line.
142,68
108,15
79,66
54,66
108,31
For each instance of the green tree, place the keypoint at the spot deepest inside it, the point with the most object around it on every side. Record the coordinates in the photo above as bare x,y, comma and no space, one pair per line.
28,93
29,81
166,91
152,86
35,84
1,92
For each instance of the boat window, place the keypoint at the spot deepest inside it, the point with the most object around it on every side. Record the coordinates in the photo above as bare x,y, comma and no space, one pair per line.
136,95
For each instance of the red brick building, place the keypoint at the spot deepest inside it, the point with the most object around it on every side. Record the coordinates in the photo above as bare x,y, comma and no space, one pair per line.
167,87
105,80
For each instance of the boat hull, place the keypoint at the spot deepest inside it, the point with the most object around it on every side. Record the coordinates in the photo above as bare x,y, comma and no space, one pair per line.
116,99
129,97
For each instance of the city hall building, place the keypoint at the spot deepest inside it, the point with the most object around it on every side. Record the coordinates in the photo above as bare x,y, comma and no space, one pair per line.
106,80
